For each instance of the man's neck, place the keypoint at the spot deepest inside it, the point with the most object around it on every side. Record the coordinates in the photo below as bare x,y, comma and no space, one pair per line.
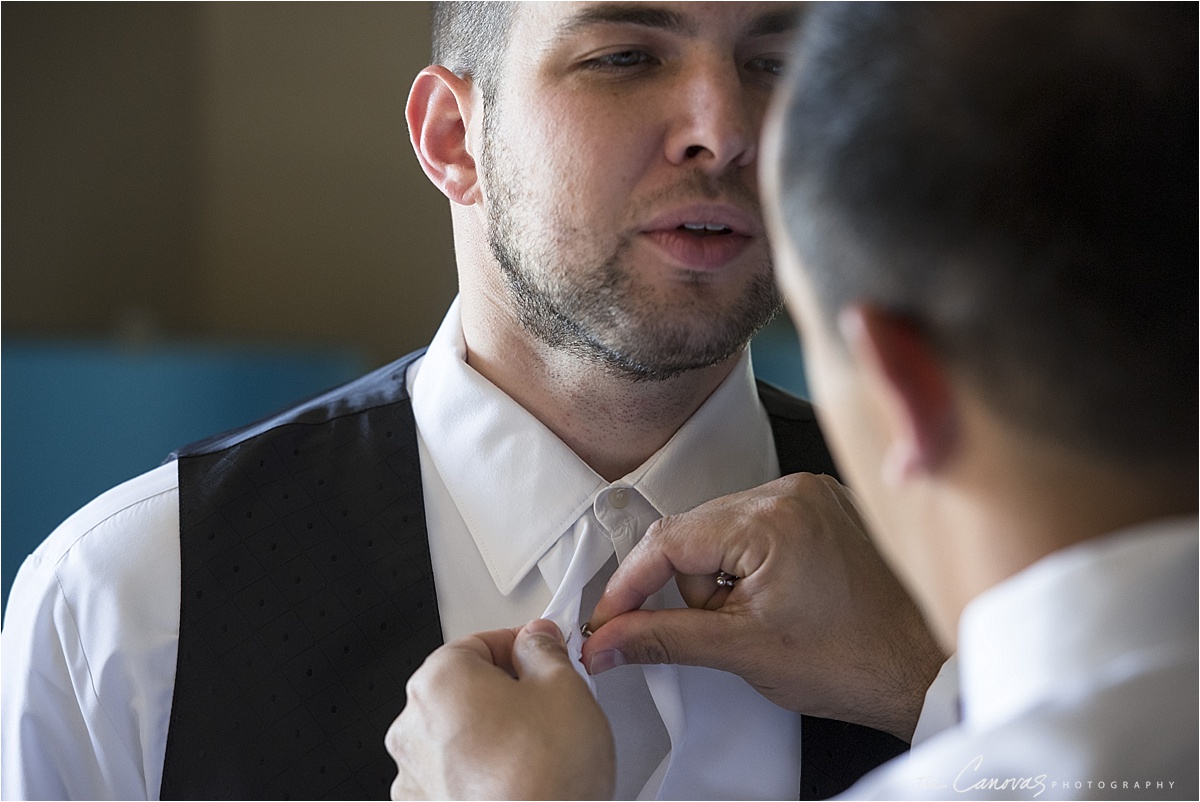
613,422
1023,500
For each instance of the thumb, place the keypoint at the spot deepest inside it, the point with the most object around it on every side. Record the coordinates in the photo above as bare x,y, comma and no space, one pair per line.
540,652
683,636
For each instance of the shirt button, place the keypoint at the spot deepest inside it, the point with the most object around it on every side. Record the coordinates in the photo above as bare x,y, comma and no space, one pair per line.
618,498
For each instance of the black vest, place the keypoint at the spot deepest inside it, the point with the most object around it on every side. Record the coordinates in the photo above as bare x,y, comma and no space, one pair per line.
307,601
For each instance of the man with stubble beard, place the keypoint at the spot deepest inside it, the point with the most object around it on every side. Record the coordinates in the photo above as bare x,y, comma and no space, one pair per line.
984,219
241,622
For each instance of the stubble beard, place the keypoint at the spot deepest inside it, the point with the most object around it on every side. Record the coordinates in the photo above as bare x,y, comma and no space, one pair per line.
596,312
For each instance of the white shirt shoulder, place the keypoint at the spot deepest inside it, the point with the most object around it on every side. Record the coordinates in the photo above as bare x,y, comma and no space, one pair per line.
1077,746
90,646
1077,679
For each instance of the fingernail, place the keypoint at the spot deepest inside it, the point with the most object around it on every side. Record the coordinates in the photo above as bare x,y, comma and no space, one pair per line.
603,661
543,627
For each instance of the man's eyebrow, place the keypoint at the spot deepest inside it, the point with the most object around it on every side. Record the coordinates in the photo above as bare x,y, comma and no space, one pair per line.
783,21
624,14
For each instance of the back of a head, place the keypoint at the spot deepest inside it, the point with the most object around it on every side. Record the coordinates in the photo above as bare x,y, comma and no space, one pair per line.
1020,182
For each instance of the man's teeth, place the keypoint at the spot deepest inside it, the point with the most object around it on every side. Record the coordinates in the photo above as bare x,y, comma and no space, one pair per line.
710,227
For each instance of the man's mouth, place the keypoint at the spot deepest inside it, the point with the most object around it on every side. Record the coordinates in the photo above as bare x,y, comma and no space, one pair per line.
706,229
706,219
699,246
704,236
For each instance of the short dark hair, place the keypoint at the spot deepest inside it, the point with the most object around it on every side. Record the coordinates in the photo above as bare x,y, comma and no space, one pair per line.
1020,183
469,39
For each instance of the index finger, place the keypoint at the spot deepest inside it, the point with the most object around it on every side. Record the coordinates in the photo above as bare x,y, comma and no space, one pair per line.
653,562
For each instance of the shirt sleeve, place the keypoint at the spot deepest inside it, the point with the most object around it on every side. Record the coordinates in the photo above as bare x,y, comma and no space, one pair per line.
90,643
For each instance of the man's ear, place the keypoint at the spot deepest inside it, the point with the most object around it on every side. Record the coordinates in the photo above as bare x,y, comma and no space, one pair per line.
910,387
439,113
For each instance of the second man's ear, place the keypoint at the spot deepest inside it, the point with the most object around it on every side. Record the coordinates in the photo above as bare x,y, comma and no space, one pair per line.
439,112
912,386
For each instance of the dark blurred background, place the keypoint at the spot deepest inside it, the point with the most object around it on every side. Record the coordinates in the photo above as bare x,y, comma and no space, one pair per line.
209,211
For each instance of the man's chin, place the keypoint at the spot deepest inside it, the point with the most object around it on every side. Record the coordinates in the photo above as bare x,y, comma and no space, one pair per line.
665,362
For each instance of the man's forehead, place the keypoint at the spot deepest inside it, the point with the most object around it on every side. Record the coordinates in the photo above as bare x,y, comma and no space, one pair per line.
744,19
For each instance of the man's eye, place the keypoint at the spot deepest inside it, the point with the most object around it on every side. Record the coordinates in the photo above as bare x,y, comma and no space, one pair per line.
620,59
770,65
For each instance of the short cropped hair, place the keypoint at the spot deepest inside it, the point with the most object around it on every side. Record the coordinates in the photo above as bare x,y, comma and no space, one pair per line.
1019,182
469,39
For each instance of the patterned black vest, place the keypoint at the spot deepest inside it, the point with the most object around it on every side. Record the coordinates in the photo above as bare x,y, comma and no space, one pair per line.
307,601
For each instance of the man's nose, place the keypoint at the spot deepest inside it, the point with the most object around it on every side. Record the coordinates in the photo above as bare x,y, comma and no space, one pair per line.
715,119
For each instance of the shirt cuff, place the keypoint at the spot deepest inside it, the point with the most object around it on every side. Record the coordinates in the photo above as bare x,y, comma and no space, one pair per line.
942,708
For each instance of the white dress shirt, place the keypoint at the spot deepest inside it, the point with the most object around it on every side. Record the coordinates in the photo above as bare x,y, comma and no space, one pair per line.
503,548
1078,679
92,625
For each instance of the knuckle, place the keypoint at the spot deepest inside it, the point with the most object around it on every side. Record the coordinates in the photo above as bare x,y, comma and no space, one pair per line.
830,482
796,482
658,648
660,530
415,688
661,524
393,740
654,653
659,536
802,490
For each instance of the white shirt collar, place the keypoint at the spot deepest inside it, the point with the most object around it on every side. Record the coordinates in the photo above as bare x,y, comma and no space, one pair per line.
475,433
1074,615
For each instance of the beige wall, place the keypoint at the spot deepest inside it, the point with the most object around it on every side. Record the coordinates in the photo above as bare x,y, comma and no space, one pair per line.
219,171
